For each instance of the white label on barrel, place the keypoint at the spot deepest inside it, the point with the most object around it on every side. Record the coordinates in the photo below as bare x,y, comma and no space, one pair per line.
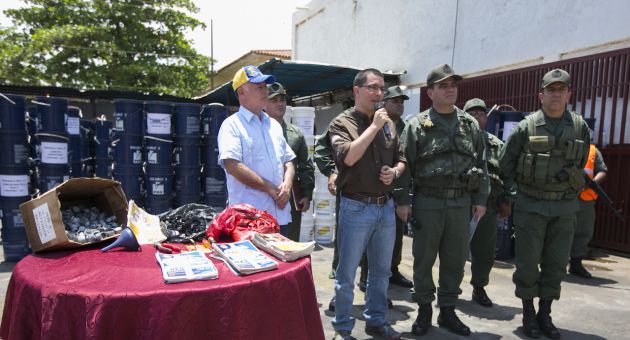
192,125
73,125
18,222
120,121
13,185
44,224
54,153
159,123
20,153
137,156
158,189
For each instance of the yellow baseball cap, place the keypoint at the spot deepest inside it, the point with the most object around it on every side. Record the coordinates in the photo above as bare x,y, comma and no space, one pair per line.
250,74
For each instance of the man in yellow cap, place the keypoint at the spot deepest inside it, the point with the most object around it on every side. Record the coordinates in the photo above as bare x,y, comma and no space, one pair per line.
252,150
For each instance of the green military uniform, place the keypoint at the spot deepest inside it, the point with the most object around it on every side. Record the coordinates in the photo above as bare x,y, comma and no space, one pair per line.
303,170
483,243
586,217
544,157
445,154
399,196
323,156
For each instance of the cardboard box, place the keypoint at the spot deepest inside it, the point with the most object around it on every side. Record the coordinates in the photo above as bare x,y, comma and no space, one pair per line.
42,215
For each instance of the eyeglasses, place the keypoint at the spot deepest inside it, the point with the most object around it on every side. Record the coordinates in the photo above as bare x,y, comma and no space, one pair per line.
374,88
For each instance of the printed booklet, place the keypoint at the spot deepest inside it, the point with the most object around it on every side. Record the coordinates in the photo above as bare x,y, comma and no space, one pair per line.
244,257
281,247
187,266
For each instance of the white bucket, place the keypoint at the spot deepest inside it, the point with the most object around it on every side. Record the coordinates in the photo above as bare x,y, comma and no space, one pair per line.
323,203
324,229
304,118
288,114
307,227
321,181
310,145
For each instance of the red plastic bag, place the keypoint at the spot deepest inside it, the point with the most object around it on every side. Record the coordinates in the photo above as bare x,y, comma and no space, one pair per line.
239,221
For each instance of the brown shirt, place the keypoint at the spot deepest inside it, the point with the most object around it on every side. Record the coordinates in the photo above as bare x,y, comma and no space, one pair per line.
363,176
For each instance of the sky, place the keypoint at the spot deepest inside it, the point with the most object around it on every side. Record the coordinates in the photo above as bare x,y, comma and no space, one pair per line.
239,26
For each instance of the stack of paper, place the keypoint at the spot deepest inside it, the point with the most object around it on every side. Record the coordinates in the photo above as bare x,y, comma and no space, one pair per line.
244,257
188,266
282,247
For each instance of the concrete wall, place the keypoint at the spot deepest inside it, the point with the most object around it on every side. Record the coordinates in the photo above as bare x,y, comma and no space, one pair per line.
473,36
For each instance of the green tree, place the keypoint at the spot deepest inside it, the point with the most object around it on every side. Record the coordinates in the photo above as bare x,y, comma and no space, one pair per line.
136,45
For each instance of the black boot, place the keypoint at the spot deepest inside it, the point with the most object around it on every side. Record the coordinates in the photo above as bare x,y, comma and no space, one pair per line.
423,321
544,319
479,295
450,321
530,324
576,268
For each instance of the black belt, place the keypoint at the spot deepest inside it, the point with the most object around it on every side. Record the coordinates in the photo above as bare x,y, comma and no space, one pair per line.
378,200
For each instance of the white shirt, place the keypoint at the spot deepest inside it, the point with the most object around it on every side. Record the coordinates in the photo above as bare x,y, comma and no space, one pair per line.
259,145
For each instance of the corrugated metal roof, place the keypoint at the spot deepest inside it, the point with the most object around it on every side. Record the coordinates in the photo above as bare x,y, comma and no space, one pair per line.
300,79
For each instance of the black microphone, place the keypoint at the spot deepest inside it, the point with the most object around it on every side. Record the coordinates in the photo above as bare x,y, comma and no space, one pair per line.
388,134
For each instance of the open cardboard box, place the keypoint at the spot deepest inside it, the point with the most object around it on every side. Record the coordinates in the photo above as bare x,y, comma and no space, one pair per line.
42,215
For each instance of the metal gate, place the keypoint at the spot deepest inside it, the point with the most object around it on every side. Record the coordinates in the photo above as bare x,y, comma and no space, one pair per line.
600,89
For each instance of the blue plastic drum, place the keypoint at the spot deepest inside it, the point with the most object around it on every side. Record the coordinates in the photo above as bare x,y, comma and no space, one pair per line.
158,151
51,175
131,178
186,151
12,113
52,113
128,149
187,181
14,147
128,116
187,120
213,116
508,121
14,239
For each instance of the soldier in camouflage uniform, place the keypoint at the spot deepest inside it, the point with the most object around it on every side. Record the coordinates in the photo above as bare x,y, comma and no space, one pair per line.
276,107
483,243
444,148
544,156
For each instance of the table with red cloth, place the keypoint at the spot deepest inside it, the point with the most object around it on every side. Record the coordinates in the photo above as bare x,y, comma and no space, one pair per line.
87,294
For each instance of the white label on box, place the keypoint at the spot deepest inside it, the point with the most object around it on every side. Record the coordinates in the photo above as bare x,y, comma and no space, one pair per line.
73,125
54,153
13,185
159,123
43,222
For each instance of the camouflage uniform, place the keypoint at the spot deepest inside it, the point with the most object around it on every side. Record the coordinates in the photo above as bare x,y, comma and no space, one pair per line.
303,170
483,243
446,159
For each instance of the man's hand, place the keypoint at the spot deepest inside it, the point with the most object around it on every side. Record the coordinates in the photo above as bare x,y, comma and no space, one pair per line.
380,118
505,210
304,203
387,175
283,195
332,187
403,212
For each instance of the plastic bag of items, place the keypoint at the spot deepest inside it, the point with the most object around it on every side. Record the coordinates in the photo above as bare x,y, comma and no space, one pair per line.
239,222
187,224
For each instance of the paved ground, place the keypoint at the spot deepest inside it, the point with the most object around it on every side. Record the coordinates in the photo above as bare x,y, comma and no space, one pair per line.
589,309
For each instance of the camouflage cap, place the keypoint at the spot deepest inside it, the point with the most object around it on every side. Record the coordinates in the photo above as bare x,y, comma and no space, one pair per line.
393,92
556,76
275,89
440,73
473,103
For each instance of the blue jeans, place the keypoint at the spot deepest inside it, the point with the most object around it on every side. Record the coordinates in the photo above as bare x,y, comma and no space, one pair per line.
363,226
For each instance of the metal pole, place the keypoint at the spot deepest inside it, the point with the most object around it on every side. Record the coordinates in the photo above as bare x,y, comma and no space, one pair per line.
211,56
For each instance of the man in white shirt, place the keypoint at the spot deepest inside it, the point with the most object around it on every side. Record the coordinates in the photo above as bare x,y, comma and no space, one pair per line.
253,151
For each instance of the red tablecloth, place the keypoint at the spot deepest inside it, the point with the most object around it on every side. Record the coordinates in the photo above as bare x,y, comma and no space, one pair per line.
87,294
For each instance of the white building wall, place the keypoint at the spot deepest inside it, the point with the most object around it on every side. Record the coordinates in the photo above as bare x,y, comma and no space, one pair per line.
474,36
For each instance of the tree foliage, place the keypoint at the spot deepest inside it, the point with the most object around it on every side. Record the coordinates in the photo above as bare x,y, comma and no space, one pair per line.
134,45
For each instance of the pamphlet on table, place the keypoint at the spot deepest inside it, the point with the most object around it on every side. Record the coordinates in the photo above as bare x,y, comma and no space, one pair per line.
187,266
281,247
244,257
